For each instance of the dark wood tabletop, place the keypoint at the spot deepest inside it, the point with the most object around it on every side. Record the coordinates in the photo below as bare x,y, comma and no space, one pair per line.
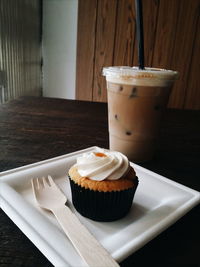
35,128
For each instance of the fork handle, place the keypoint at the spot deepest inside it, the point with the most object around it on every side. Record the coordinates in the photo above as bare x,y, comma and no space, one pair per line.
90,250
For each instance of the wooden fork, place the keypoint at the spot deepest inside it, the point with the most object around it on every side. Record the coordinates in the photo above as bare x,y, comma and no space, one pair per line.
49,196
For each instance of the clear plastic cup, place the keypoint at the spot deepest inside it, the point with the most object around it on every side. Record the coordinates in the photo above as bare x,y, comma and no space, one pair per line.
136,101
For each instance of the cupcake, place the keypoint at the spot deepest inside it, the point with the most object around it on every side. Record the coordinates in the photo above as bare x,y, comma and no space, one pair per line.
103,185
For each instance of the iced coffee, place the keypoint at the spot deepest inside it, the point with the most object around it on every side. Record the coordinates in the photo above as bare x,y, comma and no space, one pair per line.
136,101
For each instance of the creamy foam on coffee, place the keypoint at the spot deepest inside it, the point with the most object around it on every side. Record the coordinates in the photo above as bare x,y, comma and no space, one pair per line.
133,75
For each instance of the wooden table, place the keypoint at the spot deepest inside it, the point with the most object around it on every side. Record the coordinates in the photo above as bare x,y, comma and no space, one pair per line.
33,129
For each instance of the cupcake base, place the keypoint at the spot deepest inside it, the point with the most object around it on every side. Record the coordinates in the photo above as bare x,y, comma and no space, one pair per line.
102,206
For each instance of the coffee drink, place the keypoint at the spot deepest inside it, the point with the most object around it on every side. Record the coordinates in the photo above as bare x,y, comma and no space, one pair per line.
136,101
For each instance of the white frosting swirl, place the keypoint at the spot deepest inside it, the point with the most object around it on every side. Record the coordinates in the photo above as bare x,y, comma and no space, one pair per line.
102,164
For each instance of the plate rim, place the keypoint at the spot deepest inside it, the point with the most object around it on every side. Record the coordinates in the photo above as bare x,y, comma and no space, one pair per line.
182,210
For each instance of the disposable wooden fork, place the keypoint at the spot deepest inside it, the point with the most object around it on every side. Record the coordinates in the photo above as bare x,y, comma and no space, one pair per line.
50,197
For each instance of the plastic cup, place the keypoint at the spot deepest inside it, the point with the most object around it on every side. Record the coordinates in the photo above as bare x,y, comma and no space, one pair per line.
136,101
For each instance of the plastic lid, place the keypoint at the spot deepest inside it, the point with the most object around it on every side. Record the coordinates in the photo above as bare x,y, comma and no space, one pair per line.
135,72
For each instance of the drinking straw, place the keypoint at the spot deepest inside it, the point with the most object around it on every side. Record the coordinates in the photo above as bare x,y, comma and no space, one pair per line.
139,32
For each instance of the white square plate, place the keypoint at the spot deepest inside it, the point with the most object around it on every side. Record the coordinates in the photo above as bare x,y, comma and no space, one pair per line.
158,203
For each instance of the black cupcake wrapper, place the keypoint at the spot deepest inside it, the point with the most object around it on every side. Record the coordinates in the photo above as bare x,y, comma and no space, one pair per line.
102,206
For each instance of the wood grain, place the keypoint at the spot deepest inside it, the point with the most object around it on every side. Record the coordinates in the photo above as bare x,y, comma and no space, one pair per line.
170,38
150,21
125,34
88,247
85,48
165,33
105,33
192,97
183,47
33,129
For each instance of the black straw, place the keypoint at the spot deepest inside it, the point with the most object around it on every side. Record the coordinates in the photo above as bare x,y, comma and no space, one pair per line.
139,32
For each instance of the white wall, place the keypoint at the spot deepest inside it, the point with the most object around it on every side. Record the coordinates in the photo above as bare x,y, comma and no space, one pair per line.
59,48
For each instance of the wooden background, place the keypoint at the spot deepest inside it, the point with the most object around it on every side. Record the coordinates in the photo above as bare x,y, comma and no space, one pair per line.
106,37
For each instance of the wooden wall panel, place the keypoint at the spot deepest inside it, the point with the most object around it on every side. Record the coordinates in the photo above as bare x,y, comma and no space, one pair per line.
165,33
171,35
87,10
166,37
182,51
105,35
150,14
192,97
125,34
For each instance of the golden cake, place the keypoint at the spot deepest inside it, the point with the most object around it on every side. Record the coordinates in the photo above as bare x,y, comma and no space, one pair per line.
103,185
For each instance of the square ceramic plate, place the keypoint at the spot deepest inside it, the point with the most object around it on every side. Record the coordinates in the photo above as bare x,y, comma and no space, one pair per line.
158,203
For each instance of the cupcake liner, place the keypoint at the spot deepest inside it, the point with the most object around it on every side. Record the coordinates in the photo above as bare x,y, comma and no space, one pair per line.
102,206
